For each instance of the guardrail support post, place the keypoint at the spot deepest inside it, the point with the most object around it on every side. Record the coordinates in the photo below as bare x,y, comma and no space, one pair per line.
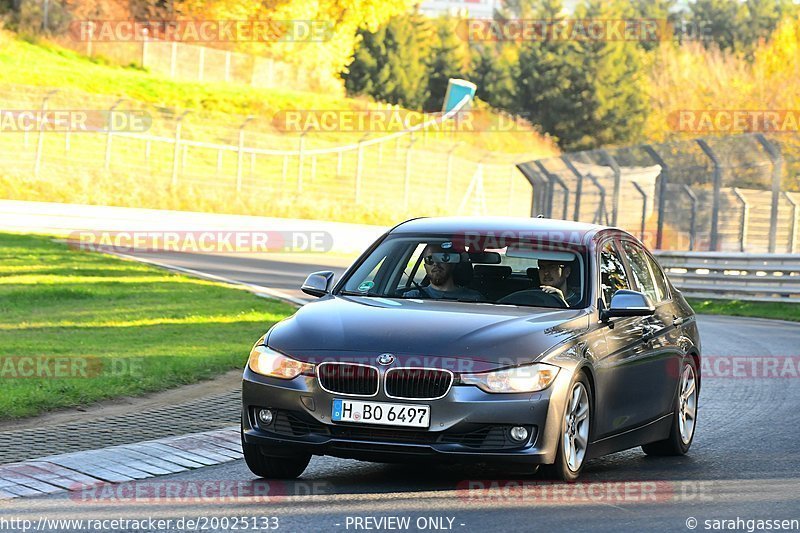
662,193
717,189
777,163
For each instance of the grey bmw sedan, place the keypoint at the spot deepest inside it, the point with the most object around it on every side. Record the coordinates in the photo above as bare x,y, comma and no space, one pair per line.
526,342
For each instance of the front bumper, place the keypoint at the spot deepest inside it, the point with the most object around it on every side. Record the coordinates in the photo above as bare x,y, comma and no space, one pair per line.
465,425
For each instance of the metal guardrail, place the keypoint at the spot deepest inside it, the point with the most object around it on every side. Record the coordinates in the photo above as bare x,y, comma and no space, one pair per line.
734,276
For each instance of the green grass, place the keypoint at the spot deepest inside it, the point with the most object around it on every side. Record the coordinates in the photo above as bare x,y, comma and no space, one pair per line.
136,328
44,64
780,311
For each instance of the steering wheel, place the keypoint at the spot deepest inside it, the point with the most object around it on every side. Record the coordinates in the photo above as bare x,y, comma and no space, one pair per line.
534,297
414,286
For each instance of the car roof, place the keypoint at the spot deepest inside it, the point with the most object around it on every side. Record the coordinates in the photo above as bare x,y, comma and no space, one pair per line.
498,225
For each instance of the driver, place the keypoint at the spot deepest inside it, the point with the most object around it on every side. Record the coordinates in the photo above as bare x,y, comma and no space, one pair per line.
553,279
440,275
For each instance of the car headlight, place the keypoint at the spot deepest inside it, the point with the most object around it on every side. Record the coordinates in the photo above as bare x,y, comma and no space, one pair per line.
529,378
268,362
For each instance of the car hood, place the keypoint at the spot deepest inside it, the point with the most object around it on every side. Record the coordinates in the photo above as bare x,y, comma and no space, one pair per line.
419,332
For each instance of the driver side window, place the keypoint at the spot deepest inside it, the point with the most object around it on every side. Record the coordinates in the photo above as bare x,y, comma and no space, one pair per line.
612,272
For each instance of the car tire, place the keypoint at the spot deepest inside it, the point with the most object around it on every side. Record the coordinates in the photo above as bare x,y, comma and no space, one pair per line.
681,433
576,427
272,467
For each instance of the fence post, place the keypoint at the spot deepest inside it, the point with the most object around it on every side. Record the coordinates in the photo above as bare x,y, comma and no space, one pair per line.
227,66
107,165
176,152
240,153
407,174
693,218
644,209
743,222
793,227
617,185
777,163
717,186
511,177
662,193
300,162
40,140
549,192
601,207
144,47
359,166
201,63
449,174
89,40
173,58
578,187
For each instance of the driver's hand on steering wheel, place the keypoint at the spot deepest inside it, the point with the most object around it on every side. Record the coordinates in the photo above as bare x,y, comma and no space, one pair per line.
554,291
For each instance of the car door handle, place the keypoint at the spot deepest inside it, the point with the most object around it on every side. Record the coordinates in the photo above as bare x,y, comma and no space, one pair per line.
678,320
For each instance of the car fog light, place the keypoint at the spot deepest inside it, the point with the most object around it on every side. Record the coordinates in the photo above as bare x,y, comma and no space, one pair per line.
265,416
519,433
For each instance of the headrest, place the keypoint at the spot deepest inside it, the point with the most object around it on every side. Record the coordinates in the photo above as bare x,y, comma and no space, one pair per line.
494,272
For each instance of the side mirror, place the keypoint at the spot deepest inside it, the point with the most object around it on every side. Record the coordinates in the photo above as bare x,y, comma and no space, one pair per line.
318,284
628,303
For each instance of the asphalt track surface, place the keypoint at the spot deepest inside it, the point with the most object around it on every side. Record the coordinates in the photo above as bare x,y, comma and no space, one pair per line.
743,468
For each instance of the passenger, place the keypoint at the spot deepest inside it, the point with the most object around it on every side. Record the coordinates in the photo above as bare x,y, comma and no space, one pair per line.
440,274
553,279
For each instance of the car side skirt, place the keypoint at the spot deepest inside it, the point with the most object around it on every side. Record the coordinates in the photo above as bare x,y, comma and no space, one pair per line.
651,432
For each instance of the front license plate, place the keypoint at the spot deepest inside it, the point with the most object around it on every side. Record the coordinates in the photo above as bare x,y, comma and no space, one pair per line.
388,414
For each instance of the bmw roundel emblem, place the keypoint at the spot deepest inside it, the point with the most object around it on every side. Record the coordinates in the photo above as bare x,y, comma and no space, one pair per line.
385,359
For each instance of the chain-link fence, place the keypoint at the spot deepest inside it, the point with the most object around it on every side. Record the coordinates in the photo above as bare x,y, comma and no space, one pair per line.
734,193
206,161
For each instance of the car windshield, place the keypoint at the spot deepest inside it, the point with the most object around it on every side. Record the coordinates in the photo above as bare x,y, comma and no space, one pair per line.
479,269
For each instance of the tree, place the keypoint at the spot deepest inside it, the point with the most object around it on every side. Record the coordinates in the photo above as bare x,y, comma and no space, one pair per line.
389,64
586,93
449,58
494,73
